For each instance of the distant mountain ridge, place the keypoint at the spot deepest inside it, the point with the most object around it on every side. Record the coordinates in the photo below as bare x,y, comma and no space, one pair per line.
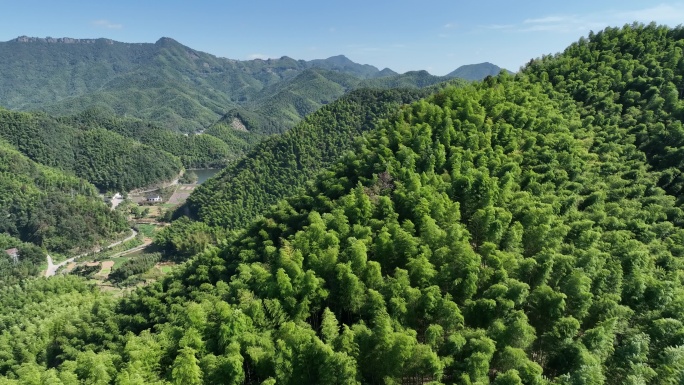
176,86
475,71
67,40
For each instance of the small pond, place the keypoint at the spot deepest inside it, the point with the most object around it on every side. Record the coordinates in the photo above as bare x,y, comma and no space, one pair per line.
205,173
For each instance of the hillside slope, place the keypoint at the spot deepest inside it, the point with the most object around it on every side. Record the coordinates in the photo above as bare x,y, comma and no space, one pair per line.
165,82
280,107
49,208
279,166
634,90
105,158
193,150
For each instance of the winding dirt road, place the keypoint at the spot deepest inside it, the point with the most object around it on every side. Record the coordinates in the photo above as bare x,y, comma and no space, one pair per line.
52,268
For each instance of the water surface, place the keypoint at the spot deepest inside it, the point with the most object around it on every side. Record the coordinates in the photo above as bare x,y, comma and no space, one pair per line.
205,173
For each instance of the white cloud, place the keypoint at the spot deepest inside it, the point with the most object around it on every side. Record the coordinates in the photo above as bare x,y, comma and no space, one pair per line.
547,19
573,23
663,13
499,26
553,23
104,23
450,26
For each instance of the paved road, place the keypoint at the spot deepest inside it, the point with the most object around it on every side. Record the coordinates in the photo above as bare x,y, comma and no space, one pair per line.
132,250
52,268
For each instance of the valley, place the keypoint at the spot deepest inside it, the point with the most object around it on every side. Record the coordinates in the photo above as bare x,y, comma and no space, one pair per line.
145,215
52,268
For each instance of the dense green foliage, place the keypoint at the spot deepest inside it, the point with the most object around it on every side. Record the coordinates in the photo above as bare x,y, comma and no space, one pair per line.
285,103
51,209
410,79
106,159
29,260
185,238
630,81
492,233
132,267
279,166
165,82
279,107
87,271
41,316
198,151
188,177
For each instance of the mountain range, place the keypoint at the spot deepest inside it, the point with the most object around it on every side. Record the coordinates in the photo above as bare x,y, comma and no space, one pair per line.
184,89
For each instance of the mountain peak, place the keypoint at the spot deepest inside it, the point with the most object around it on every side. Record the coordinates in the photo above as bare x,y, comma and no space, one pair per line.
338,57
340,60
344,64
166,41
388,70
477,71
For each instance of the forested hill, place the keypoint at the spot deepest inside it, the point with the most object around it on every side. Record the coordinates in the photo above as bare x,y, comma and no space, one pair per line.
41,207
170,84
278,167
105,158
491,233
279,107
213,148
631,82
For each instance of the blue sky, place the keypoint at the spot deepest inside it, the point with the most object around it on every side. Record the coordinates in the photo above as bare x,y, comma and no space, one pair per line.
403,35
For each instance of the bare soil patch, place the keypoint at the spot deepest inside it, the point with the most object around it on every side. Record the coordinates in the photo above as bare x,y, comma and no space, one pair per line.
179,197
106,268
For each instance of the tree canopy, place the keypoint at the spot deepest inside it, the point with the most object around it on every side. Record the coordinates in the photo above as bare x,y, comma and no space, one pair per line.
279,166
104,158
49,208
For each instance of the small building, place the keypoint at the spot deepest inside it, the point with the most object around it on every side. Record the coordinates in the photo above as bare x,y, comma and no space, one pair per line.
154,198
14,254
117,196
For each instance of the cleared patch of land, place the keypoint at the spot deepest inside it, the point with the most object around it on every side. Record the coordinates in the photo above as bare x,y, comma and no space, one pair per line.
179,196
106,268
